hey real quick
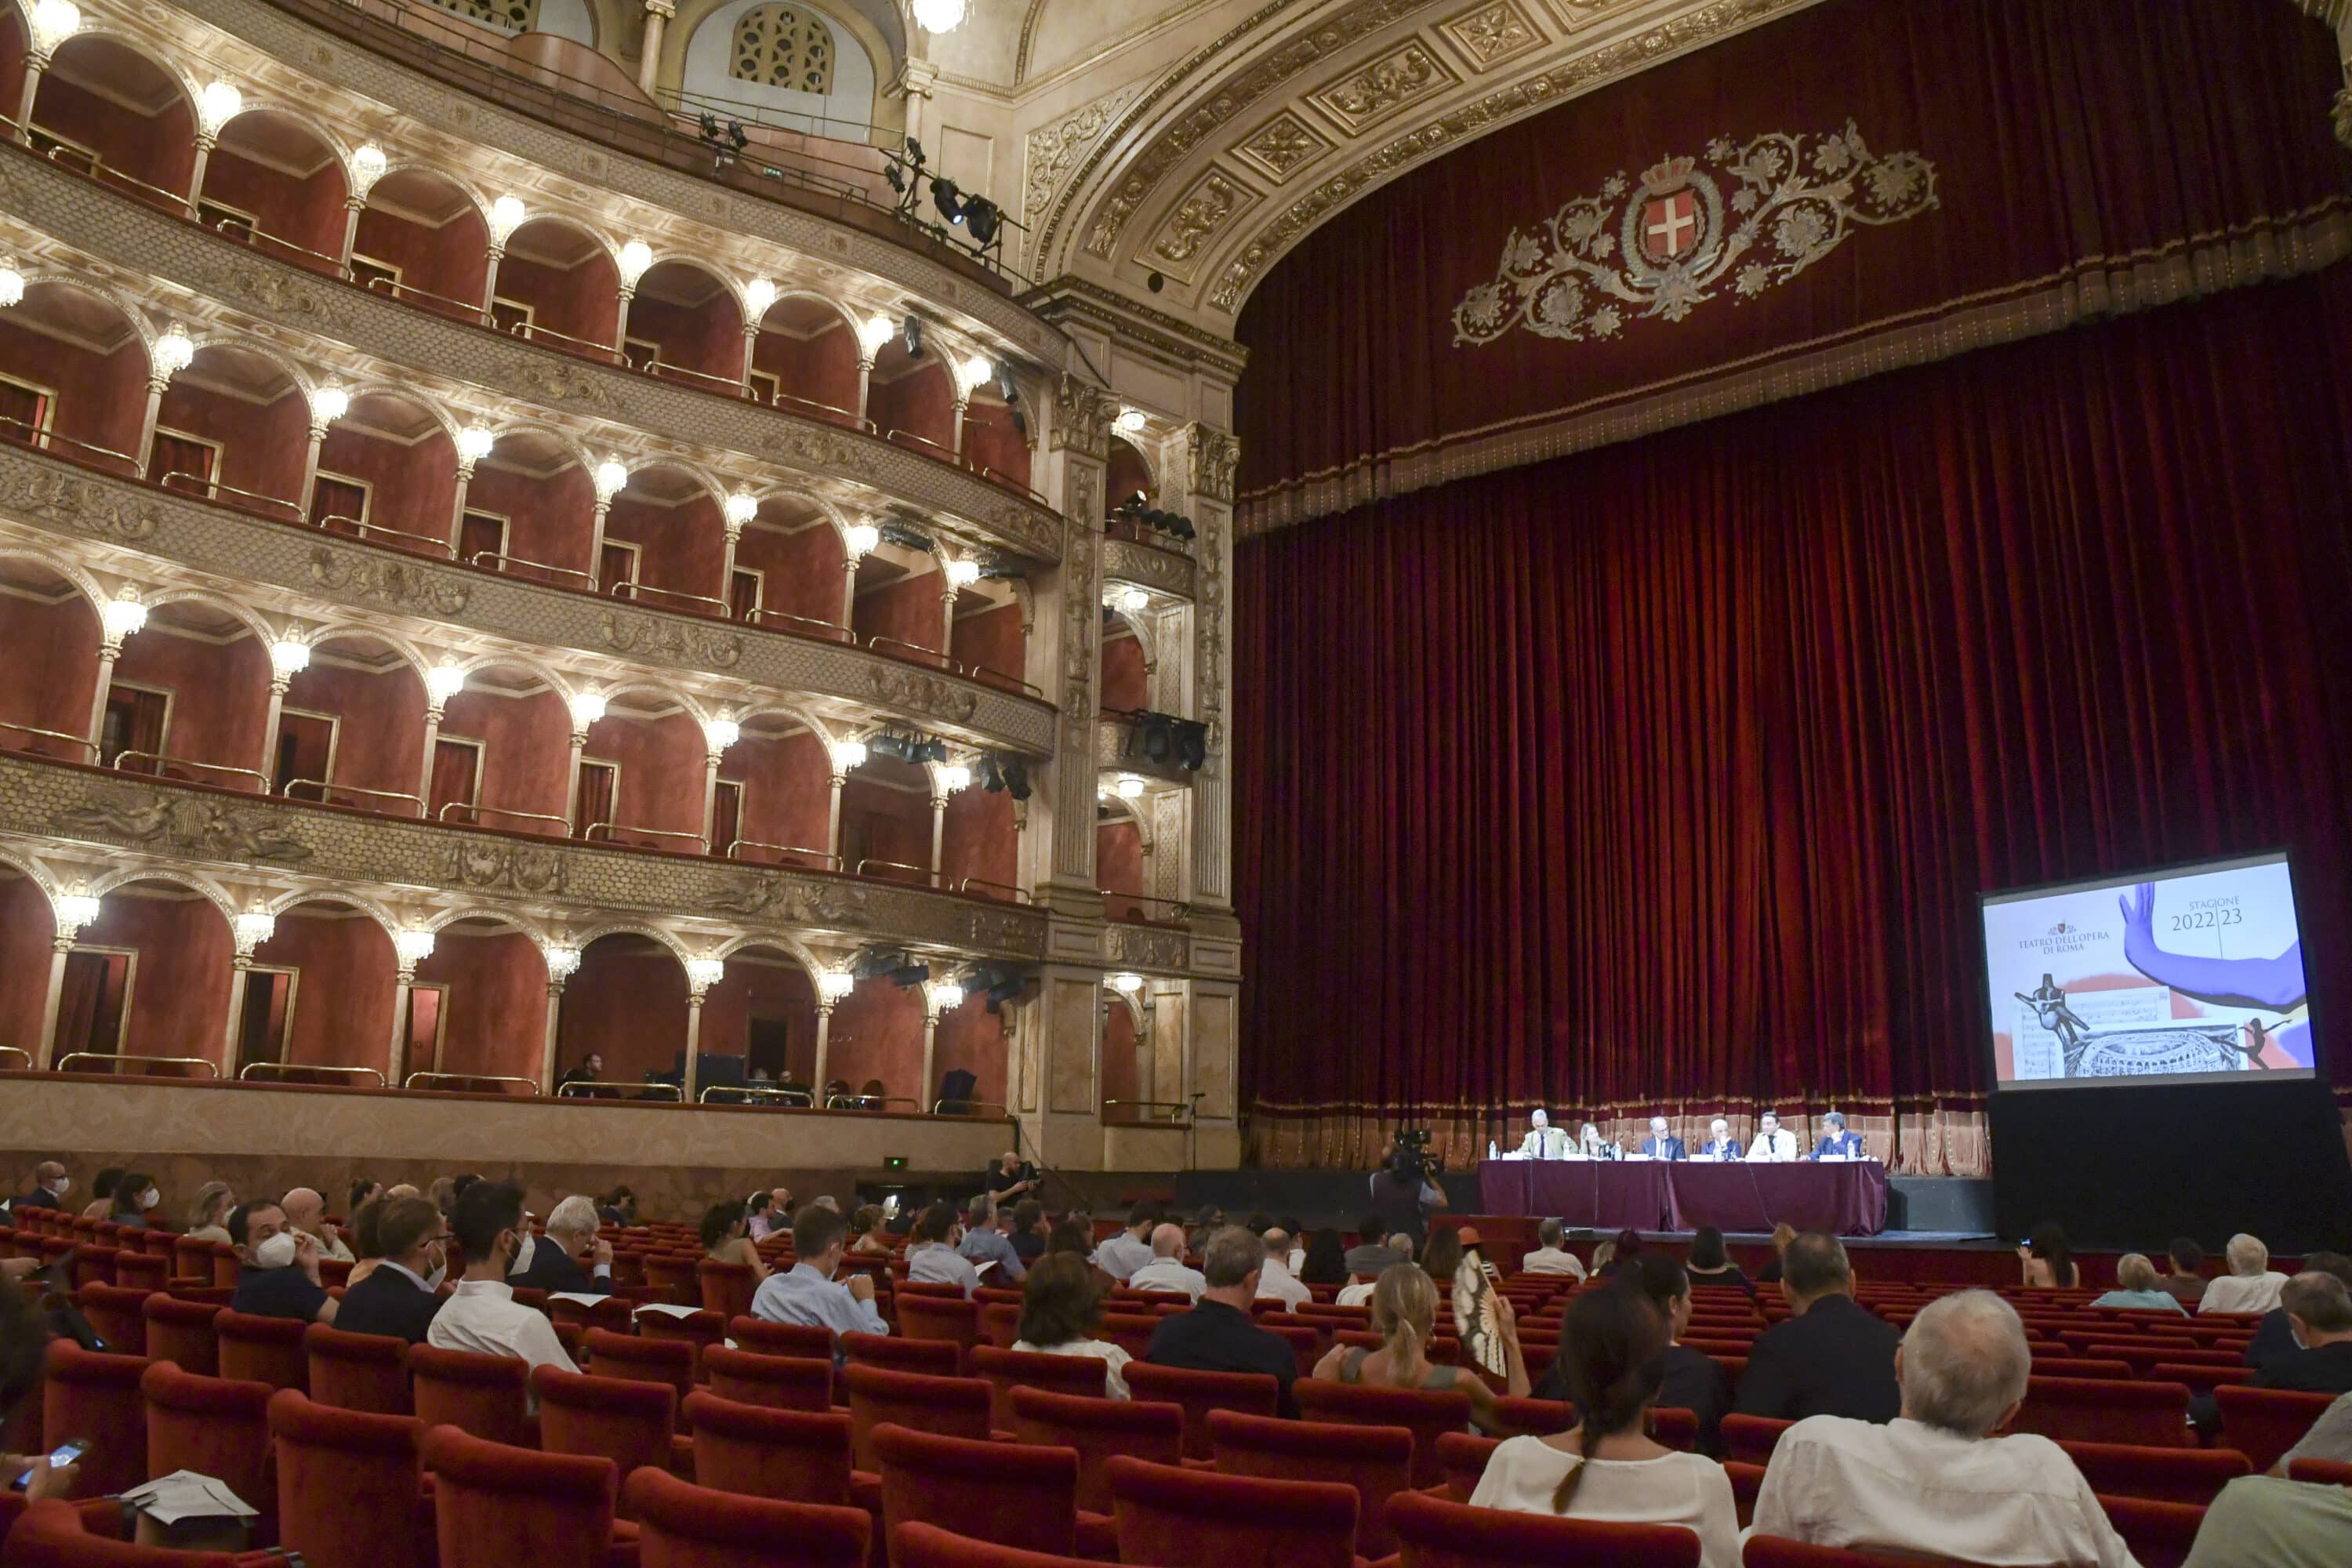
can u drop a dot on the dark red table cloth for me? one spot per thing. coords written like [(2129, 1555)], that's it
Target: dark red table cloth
[(1843, 1199), (1597, 1194)]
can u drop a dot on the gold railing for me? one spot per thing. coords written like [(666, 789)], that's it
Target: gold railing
[(274, 1070), (871, 1102), (7, 1051), (609, 828), (825, 857), (492, 561), (635, 592), (83, 741), (65, 1062), (969, 1108), (1180, 1112), (435, 1079), (159, 759), (629, 1090), (360, 529), (326, 789), (482, 811), (796, 1097)]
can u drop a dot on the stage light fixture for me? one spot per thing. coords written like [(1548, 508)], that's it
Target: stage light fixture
[(984, 218), (947, 199)]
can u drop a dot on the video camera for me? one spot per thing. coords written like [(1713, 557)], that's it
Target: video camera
[(1410, 1155)]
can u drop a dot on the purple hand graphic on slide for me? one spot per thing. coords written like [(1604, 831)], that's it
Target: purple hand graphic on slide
[(2276, 984)]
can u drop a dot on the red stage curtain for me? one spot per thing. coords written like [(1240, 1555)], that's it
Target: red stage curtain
[(1665, 775)]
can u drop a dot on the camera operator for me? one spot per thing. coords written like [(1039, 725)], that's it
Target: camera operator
[(1402, 1194)]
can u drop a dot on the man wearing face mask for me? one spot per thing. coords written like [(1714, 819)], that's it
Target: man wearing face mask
[(280, 1274), (396, 1299), (50, 1186), (481, 1314)]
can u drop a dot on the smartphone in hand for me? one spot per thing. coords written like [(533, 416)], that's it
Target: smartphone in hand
[(61, 1456)]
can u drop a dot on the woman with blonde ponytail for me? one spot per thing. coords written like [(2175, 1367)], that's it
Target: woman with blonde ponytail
[(1608, 1468), (1404, 1314)]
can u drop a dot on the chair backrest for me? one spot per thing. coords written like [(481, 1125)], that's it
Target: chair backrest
[(781, 1383), (1000, 1324), (2321, 1472), (1428, 1414), (347, 1485), (761, 1451), (1375, 1461), (1751, 1439), (1096, 1430), (1198, 1393), (1008, 1370), (51, 1534), (2158, 1534), (1775, 1552), (947, 1407), (927, 1546), (181, 1334), (119, 1314), (675, 1278), (1435, 1533), (779, 1339), (2263, 1423), (663, 1360), (1181, 1517), (727, 1287), (91, 1394), (627, 1420), (2159, 1475), (483, 1395), (681, 1525), (2103, 1410), (955, 1321), (696, 1331), (1464, 1457), (935, 1358), (210, 1426), (262, 1350), (1018, 1496), (489, 1497), (357, 1372), (1522, 1417)]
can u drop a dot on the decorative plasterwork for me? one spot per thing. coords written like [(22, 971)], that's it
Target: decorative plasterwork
[(1282, 145), (1215, 200), (1162, 570), (1050, 151), (1404, 74), (1487, 35)]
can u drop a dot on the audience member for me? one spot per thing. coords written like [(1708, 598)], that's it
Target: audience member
[(2184, 1279), (2319, 1310), (554, 1263), (1605, 1252), (1027, 1239), (401, 1190), (2330, 1437), (1275, 1283), (1358, 1291), (1204, 1224), (1374, 1252), (279, 1272), (1935, 1481), (306, 1211), (1167, 1271), (1006, 1182), (724, 1241), (1061, 1308), (1217, 1334), (135, 1198), (366, 1246), (481, 1314), (2137, 1288), (933, 1258), (1326, 1262), (757, 1218), (1441, 1255), (1294, 1227), (1623, 1248), (1404, 1314), (457, 1185), (101, 1192), (1551, 1255), (1129, 1250), (872, 1239), (1710, 1264), (985, 1241), (2250, 1286), (443, 1191), (23, 1351), (2262, 1521), (1693, 1382), (208, 1211), (2274, 1336), (397, 1299), (2047, 1260), (1833, 1358), (1782, 1235), (1072, 1234), (50, 1186), (807, 1294), (1614, 1345), (620, 1208), (362, 1189)]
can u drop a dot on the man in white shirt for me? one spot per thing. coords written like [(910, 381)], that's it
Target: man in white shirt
[(2251, 1286), (481, 1314), (1275, 1279), (1774, 1144), (1549, 1257), (1166, 1271), (1129, 1250), (306, 1211), (1543, 1142), (933, 1258), (1935, 1481)]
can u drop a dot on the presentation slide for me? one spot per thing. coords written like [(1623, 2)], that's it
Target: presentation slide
[(2173, 976)]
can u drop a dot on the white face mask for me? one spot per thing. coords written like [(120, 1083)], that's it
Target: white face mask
[(150, 1199), (64, 1186), (523, 1255), (277, 1252), (433, 1281)]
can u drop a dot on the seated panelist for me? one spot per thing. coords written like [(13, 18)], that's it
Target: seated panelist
[(1590, 1145), (1840, 1143), (1774, 1145), (1720, 1144), (1659, 1146), (1543, 1142)]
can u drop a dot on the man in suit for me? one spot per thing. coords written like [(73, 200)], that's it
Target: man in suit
[(552, 1261), (50, 1186), (1775, 1145), (1720, 1144), (1218, 1334), (1659, 1146), (1833, 1358), (1838, 1141), (1543, 1142), (397, 1298)]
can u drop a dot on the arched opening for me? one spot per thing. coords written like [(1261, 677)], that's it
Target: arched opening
[(774, 796), (503, 756), (897, 609), (558, 285), (1118, 859), (886, 821), (479, 1003), (15, 44), (150, 977), (1127, 476), (104, 108), (641, 775), (351, 729), (992, 442), (970, 1038), (911, 400), (49, 636), (1126, 672), (387, 473), (1126, 1078), (980, 844), (990, 635), (789, 570), (73, 376), (626, 1002), (759, 1023), (275, 182), (804, 359), (234, 427), (29, 931), (422, 238), (802, 71), (876, 1038), (320, 992), (529, 512), (664, 543), (189, 699), (685, 322)]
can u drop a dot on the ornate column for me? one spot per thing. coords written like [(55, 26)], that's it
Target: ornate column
[(938, 996), (718, 735), (507, 214), (73, 911), (1066, 655), (123, 616), (561, 960), (171, 355), (737, 512), (289, 656), (916, 83), (474, 443), (1210, 458), (939, 827), (328, 403), (758, 295), (657, 12), (857, 541), (442, 682), (249, 930), (47, 24), (701, 974), (218, 103), (367, 167), (611, 475), (587, 707), (824, 1031), (410, 948), (847, 756)]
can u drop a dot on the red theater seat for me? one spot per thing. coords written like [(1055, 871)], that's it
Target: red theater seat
[(262, 1350), (119, 1315), (87, 1395), (180, 1332), (55, 1534), (2100, 1410), (484, 1396), (781, 1383), (629, 1422), (1752, 1438), (2159, 1475), (667, 1361), (347, 1488), (1428, 1414), (948, 1406), (1464, 1457), (1174, 1517), (1008, 1370), (2321, 1472), (927, 1546), (215, 1427), (500, 1507), (2263, 1423), (764, 1338), (956, 1321), (798, 1455), (1198, 1393), (357, 1372), (933, 1358), (684, 1526), (1773, 1551), (1375, 1461), (1434, 1533), (2158, 1534), (699, 1332), (1097, 1430), (727, 1287), (1015, 1496)]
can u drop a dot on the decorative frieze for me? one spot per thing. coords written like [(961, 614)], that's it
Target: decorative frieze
[(1162, 570)]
